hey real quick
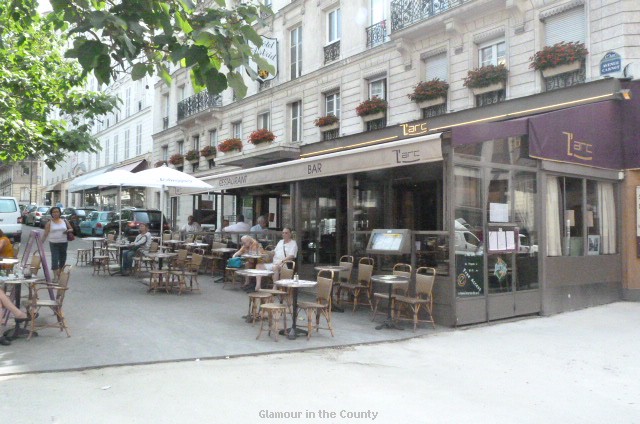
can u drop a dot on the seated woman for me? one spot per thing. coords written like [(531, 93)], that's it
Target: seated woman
[(6, 250), (286, 249), (250, 246)]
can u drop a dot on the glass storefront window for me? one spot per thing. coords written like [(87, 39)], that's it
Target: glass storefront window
[(508, 151), (524, 200)]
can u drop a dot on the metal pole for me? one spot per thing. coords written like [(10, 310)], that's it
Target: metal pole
[(30, 178)]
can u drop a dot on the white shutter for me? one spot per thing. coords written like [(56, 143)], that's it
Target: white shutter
[(436, 67), (567, 26)]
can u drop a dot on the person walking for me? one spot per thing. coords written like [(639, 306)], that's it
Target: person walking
[(56, 231)]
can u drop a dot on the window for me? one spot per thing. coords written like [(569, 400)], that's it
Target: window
[(492, 54), (127, 144), (296, 121), (97, 160), (332, 104), (213, 137), (334, 24), (436, 67), (236, 130), (127, 102), (377, 11), (568, 26), (139, 139), (25, 170), (264, 121), (296, 52), (115, 148), (181, 147), (106, 152), (24, 194), (196, 143), (581, 217), (378, 88), (164, 153)]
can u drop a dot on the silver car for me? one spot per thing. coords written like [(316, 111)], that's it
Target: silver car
[(33, 218)]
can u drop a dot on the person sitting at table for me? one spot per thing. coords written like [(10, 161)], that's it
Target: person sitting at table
[(239, 226), (6, 250), (142, 243), (225, 223), (250, 246), (286, 249), (261, 225), (191, 226)]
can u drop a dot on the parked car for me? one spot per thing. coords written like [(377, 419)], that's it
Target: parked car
[(26, 212), (33, 218), (75, 216), (10, 219), (130, 220), (95, 223)]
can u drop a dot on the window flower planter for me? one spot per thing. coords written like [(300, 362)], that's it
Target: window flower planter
[(261, 136), (373, 116), (487, 78), (433, 102), (557, 55), (372, 106), (192, 156), (493, 87), (229, 145), (176, 159), (160, 163), (429, 90), (561, 69), (327, 123), (208, 152)]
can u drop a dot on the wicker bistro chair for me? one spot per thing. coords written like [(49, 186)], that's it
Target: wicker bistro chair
[(399, 269), (189, 271), (271, 314), (36, 263), (344, 276), (288, 268), (322, 305), (40, 297), (425, 278), (362, 285)]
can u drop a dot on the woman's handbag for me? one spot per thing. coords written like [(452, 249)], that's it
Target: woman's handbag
[(70, 236), (235, 262)]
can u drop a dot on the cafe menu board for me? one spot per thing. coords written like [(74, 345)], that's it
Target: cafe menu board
[(390, 242), (503, 239), (469, 275)]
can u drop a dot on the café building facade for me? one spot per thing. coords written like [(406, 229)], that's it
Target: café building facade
[(523, 207)]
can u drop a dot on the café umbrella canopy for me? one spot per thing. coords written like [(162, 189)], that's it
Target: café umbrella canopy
[(165, 177)]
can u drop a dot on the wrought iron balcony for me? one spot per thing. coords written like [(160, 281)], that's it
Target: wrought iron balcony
[(405, 13), (332, 52), (197, 103), (376, 34), (568, 79)]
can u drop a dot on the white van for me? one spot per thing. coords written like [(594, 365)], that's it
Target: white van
[(10, 218), (466, 243)]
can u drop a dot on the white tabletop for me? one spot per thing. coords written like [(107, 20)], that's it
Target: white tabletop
[(295, 283), (389, 279), (224, 249), (330, 268), (93, 238), (254, 272), (16, 280), (9, 261)]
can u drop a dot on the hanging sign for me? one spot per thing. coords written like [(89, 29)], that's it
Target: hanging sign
[(610, 63), (269, 52)]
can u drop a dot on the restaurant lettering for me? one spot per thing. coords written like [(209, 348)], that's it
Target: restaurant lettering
[(236, 179), (407, 156), (578, 149), (416, 129), (315, 168)]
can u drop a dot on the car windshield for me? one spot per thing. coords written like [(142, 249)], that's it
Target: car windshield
[(94, 215), (7, 205), (105, 215), (43, 209), (147, 216)]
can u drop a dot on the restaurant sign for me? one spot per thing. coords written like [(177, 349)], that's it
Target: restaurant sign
[(269, 52)]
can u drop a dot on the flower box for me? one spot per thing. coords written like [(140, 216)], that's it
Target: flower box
[(260, 136), (561, 69), (558, 54), (374, 105), (208, 152), (328, 120), (192, 156), (160, 163), (373, 116), (230, 144), (433, 102), (330, 127), (493, 87), (429, 90), (486, 76), (176, 159)]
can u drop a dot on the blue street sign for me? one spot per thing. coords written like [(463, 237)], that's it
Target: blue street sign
[(610, 63)]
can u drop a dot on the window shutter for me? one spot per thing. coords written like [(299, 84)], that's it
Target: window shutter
[(568, 26), (436, 67)]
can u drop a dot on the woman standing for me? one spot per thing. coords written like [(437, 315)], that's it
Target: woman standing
[(57, 228)]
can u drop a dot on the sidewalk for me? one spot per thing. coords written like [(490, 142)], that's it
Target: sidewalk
[(577, 367)]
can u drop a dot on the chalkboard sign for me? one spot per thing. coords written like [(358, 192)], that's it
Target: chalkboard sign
[(469, 275)]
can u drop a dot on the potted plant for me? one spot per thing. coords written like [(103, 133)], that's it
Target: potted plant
[(429, 93), (230, 144), (486, 78), (160, 163), (373, 108), (176, 159), (207, 151), (261, 135), (191, 156), (558, 59), (328, 122)]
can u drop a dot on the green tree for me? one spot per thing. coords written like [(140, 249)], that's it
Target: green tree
[(44, 112)]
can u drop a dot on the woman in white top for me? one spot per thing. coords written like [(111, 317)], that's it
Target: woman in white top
[(56, 230), (286, 249)]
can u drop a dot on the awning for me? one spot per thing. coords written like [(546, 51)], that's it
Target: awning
[(133, 167), (477, 133), (77, 183), (422, 149), (56, 187)]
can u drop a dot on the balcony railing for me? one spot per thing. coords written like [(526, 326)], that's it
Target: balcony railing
[(376, 34), (405, 13), (332, 52), (565, 80), (197, 103)]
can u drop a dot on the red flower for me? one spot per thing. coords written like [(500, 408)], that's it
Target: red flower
[(230, 144), (262, 135), (559, 54), (371, 106)]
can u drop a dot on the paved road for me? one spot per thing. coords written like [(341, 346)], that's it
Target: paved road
[(579, 367)]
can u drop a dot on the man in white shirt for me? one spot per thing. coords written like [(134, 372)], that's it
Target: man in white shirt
[(261, 225), (191, 226), (239, 226)]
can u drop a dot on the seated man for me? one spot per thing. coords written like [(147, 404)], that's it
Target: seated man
[(191, 226), (142, 243)]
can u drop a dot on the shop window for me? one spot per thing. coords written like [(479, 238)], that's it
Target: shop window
[(581, 217)]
